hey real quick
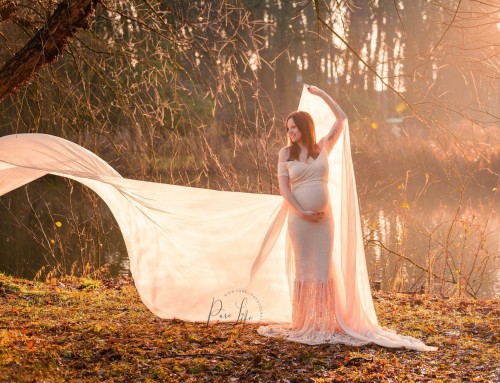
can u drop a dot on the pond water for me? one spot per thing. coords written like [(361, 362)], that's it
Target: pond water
[(436, 251)]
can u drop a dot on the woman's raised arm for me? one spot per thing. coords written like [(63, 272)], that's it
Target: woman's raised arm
[(340, 118)]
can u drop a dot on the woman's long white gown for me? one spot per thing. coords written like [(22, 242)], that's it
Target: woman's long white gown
[(313, 296), (206, 255)]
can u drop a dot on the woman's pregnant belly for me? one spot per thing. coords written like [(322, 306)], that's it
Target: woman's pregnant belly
[(313, 196)]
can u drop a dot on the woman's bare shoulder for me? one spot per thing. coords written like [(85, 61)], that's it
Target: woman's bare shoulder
[(285, 149), (284, 153)]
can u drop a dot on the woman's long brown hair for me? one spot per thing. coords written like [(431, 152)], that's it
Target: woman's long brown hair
[(305, 124)]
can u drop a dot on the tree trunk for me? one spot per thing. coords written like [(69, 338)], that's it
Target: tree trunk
[(46, 45)]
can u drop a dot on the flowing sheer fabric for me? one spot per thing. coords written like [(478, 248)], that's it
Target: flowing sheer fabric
[(205, 255)]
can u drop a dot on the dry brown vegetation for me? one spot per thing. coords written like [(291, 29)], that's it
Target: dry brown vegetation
[(77, 329)]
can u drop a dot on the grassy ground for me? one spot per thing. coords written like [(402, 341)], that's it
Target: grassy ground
[(82, 330)]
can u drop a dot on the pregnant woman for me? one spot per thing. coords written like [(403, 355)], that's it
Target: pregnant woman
[(331, 303), (303, 182)]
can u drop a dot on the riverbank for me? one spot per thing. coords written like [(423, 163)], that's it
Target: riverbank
[(84, 330)]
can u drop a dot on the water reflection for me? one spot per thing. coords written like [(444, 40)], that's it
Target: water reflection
[(120, 264), (436, 251)]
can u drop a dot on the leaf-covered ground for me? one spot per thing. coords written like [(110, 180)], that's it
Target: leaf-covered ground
[(82, 330)]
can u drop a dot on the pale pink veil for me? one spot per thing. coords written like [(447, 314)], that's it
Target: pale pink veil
[(187, 246)]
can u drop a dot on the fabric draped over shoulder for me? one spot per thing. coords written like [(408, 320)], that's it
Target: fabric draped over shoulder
[(206, 255), (283, 169)]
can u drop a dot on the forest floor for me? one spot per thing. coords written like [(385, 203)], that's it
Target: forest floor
[(81, 330)]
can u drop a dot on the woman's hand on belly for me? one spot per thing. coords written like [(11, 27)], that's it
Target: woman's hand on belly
[(313, 216)]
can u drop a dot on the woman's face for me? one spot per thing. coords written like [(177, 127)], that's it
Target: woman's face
[(293, 132)]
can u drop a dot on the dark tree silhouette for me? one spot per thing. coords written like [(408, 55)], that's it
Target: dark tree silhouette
[(46, 45)]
